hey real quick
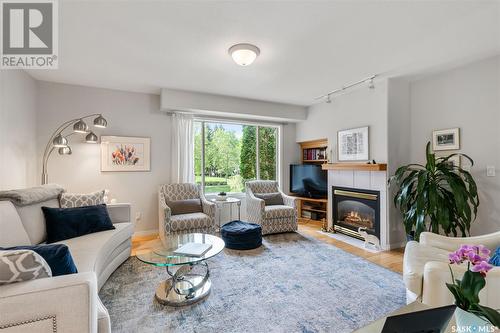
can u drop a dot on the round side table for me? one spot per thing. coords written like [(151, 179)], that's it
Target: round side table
[(229, 201)]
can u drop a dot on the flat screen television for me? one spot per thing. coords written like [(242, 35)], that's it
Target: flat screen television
[(308, 180)]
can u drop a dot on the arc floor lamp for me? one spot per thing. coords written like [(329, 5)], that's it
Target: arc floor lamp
[(60, 141)]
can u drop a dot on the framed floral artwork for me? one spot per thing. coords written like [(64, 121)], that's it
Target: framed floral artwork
[(123, 153)]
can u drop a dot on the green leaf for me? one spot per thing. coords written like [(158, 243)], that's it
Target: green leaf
[(471, 285), (492, 315)]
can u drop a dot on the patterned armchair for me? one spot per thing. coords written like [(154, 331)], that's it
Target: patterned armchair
[(273, 219), (169, 224)]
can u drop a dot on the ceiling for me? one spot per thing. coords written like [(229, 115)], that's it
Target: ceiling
[(308, 48)]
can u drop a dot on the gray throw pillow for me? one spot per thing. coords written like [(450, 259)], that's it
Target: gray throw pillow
[(22, 265), (72, 200), (187, 206), (271, 199)]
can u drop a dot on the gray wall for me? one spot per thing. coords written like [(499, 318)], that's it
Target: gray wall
[(467, 97), (18, 117), (360, 107), (128, 114)]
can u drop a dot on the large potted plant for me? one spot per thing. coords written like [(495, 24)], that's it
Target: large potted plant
[(436, 197), (470, 314)]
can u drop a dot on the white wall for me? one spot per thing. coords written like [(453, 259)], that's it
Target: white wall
[(18, 117), (467, 97), (128, 114), (357, 108), (290, 154), (398, 147)]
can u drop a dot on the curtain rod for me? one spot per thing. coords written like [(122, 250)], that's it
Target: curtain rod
[(241, 121)]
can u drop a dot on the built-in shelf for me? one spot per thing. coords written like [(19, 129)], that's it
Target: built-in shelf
[(314, 151), (315, 161), (310, 199), (314, 210), (355, 166)]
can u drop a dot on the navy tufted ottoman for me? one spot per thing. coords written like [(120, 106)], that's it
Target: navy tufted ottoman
[(239, 235)]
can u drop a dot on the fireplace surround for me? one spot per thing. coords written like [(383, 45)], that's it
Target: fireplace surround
[(354, 208)]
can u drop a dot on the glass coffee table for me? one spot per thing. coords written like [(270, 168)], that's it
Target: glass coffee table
[(188, 280)]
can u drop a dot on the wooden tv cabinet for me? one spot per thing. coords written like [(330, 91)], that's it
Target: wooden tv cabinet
[(316, 208)]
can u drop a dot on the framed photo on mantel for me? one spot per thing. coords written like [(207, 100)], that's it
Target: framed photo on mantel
[(353, 144), (124, 153)]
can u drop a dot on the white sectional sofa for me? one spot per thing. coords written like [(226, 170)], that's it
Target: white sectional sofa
[(67, 303)]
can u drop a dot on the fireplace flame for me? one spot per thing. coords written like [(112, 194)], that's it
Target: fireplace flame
[(354, 218)]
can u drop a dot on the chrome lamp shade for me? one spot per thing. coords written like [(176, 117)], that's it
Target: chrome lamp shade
[(65, 150), (80, 127), (91, 138), (60, 141), (100, 122)]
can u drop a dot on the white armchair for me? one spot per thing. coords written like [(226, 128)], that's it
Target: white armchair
[(273, 219), (425, 269)]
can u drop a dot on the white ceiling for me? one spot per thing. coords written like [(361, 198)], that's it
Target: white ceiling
[(307, 47)]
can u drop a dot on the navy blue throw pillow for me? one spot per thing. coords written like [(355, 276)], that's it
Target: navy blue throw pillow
[(57, 257), (65, 223)]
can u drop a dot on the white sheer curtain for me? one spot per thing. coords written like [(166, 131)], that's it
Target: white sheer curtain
[(182, 162)]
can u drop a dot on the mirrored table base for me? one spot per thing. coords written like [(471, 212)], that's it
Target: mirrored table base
[(184, 287)]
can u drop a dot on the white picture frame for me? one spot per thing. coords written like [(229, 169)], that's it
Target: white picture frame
[(353, 144), (125, 153), (446, 139)]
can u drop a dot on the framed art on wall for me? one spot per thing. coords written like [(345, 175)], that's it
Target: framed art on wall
[(446, 139), (123, 153), (353, 144)]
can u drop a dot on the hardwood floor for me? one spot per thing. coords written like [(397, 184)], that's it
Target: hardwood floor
[(392, 260)]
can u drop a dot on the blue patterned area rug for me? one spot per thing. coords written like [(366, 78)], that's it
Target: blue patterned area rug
[(292, 283)]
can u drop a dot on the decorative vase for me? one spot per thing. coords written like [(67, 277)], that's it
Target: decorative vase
[(469, 322), (221, 197)]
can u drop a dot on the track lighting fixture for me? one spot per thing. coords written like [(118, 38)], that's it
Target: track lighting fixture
[(371, 84), (369, 81)]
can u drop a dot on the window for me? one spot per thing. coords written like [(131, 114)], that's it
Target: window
[(228, 154)]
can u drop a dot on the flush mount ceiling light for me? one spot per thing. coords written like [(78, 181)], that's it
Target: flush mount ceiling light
[(244, 54)]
